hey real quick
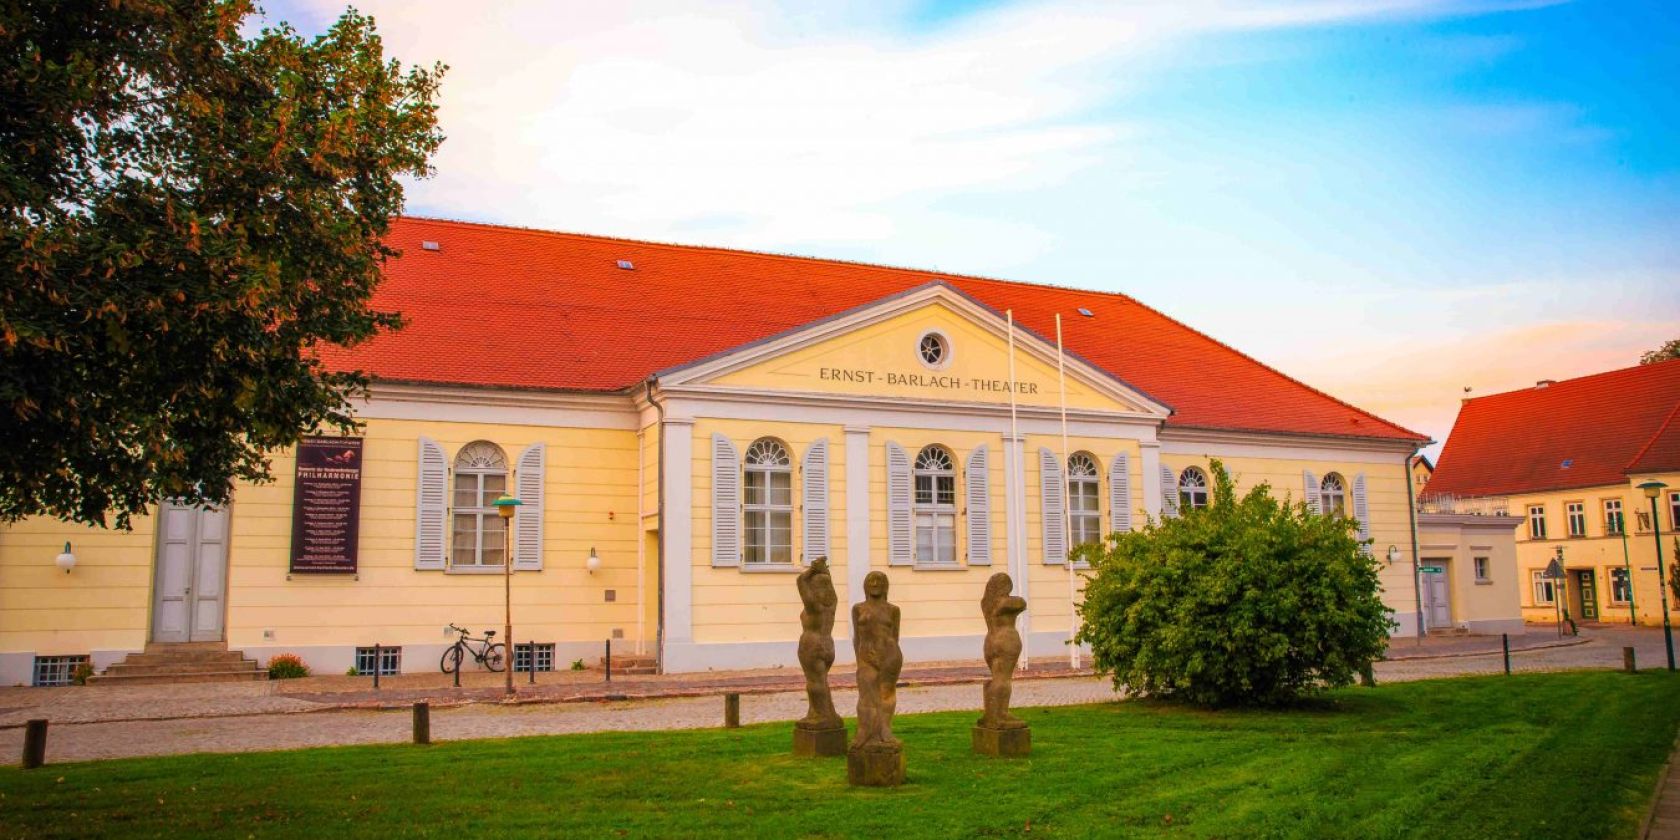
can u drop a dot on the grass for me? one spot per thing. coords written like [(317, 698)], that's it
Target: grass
[(1553, 756)]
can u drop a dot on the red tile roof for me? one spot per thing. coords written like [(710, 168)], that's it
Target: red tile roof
[(1584, 432), (1662, 452), (512, 307)]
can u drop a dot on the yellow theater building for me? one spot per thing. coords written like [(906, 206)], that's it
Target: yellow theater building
[(686, 428), (1563, 463)]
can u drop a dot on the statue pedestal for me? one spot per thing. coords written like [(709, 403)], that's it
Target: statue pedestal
[(1003, 743), (819, 742), (875, 765)]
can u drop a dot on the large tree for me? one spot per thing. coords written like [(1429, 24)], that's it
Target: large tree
[(186, 212)]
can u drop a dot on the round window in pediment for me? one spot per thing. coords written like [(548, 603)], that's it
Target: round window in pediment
[(934, 350)]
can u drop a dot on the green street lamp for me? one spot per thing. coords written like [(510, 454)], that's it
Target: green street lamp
[(505, 506), (1652, 490)]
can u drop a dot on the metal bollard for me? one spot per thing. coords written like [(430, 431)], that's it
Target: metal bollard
[(458, 667), (1627, 661), (731, 711), (531, 662), (1505, 642), (34, 743), (378, 662), (422, 723), (608, 660)]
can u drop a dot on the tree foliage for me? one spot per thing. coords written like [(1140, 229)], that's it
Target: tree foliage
[(1245, 601), (186, 214), (1669, 350)]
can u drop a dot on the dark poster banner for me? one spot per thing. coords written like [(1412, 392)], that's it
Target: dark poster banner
[(327, 505)]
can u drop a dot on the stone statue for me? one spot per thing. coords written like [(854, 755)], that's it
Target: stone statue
[(999, 732), (876, 758), (821, 731)]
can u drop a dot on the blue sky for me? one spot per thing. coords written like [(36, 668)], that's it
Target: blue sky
[(1389, 199)]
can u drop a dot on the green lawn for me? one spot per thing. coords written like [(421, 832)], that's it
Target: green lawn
[(1545, 756)]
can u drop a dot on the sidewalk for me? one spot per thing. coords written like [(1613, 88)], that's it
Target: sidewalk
[(93, 704)]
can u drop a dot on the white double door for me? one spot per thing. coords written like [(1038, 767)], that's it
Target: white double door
[(190, 580), (1437, 602)]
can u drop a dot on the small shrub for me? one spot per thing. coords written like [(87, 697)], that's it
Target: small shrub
[(287, 666), (1251, 601), (577, 665), (81, 674), (352, 672)]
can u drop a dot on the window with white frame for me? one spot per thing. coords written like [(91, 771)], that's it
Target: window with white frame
[(480, 477), (1084, 517), (1536, 522), (1674, 511), (935, 507), (1332, 495), (1613, 524), (767, 504), (1542, 588), (1620, 592), (1192, 488), (57, 670), (1575, 513), (1480, 565)]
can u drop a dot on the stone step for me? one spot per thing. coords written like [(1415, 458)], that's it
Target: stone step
[(185, 657), (183, 647), (127, 668), (164, 679)]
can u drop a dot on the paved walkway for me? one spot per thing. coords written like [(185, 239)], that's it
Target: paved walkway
[(1665, 816), (99, 722)]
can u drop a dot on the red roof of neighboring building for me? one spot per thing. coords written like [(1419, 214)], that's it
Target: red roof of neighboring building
[(1584, 432), (512, 307)]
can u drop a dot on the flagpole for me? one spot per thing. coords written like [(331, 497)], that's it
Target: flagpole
[(1067, 514), (1016, 479)]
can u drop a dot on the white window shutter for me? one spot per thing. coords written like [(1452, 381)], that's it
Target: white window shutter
[(1169, 492), (1120, 493), (528, 517), (977, 482), (1309, 486), (815, 490), (726, 503), (431, 507), (1052, 507), (1360, 511), (901, 537)]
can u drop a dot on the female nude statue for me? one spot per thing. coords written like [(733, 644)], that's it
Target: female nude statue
[(879, 660), (816, 644), (1002, 650)]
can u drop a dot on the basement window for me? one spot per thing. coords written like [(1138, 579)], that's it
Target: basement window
[(522, 656), (57, 670), (388, 660)]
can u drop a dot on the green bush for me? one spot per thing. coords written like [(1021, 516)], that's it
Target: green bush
[(81, 674), (287, 666), (1249, 601)]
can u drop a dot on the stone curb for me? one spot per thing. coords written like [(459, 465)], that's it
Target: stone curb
[(1547, 646), (592, 697)]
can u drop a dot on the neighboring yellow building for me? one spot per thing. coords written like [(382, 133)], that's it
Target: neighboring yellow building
[(687, 427), (1566, 460)]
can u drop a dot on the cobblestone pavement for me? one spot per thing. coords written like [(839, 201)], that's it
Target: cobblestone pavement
[(253, 716)]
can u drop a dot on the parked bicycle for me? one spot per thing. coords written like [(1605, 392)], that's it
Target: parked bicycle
[(490, 653)]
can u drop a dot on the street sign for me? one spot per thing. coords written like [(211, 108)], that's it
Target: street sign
[(1554, 570), (1431, 570)]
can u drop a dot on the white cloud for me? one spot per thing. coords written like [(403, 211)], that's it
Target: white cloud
[(768, 127)]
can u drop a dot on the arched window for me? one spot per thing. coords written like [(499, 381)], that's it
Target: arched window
[(480, 476), (1332, 495), (768, 503), (1192, 488), (1084, 517), (935, 507)]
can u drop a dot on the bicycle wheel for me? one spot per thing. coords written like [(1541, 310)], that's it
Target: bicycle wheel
[(495, 658), (451, 661)]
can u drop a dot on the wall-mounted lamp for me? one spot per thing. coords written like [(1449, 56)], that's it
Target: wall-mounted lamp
[(65, 559), (1393, 554), (594, 561)]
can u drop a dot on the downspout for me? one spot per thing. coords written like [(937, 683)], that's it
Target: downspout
[(1417, 574), (659, 630)]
